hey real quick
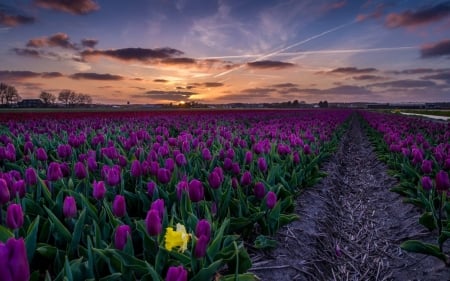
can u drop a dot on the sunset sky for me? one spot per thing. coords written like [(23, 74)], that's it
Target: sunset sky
[(223, 51)]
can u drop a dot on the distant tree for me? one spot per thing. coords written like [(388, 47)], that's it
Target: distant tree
[(47, 98), (8, 94), (3, 88), (323, 104), (70, 98), (83, 99), (295, 103)]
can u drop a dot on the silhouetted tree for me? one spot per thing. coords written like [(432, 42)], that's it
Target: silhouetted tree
[(70, 98), (8, 94), (323, 104), (47, 98)]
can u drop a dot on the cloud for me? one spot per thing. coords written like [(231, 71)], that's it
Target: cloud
[(415, 71), (284, 85), (27, 52), (212, 84), (368, 77), (89, 43), (408, 83), (269, 64), (438, 49), (10, 19), (57, 40), (95, 76), (133, 54), (179, 61), (160, 80), (257, 91), (175, 96), (352, 70), (78, 7), (445, 76), (20, 75), (375, 14), (422, 16), (335, 5)]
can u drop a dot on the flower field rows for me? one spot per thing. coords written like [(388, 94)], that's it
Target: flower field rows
[(154, 196), (418, 152)]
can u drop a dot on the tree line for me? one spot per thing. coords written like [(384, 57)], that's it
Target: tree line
[(9, 96)]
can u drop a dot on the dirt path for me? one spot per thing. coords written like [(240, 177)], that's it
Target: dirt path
[(350, 226)]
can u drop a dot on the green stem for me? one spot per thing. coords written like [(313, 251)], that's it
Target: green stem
[(441, 197)]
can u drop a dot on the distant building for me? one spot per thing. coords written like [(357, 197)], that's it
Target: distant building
[(31, 103)]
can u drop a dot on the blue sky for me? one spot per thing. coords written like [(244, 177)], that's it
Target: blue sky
[(160, 51)]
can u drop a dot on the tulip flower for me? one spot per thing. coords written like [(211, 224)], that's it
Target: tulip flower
[(181, 186), (426, 182), (136, 170), (92, 164), (41, 154), (14, 264), (201, 246), (246, 178), (427, 166), (206, 154), (227, 164), (119, 206), (65, 170), (169, 164), (31, 176), (262, 164), (203, 228), (180, 159), (248, 157), (19, 188), (111, 175), (153, 222), (14, 216), (158, 205), (417, 156), (98, 190), (271, 199), (177, 273), (151, 186), (54, 172), (196, 190), (164, 175), (178, 238), (214, 180), (442, 181), (259, 190), (80, 171), (121, 236), (4, 192), (69, 207), (64, 151)]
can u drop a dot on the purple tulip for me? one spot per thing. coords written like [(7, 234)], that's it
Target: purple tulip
[(28, 147), (151, 186), (442, 181), (136, 169), (54, 172), (4, 192), (447, 164), (234, 183), (14, 216), (154, 168), (201, 246), (98, 190), (259, 190), (158, 205), (271, 199), (427, 166), (417, 156), (122, 160), (180, 159), (164, 175), (92, 164), (227, 164), (119, 206), (248, 157), (214, 180), (80, 171), (31, 176), (19, 188), (426, 182), (121, 236), (176, 273), (296, 158), (14, 264), (306, 149), (41, 154), (262, 164), (235, 168), (206, 154), (203, 228), (69, 207), (64, 151), (111, 175), (153, 222), (196, 191), (246, 178), (181, 187), (169, 164)]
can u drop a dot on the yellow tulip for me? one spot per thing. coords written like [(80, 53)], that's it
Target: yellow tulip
[(177, 238)]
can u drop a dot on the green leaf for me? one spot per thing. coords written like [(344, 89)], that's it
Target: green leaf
[(264, 242), (427, 220), (61, 230), (78, 231), (47, 250), (213, 249), (67, 270), (445, 235), (240, 277), (416, 246), (5, 233), (112, 277), (30, 240), (206, 273)]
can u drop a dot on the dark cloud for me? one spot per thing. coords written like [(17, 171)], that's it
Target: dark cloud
[(160, 80), (179, 61), (51, 75), (352, 70), (20, 75), (89, 43), (284, 85), (212, 84), (25, 52), (133, 54), (264, 64), (424, 15), (11, 18), (339, 90), (405, 84), (139, 88), (95, 76), (445, 76), (57, 40), (368, 77), (414, 71), (438, 49), (257, 91), (175, 96), (77, 7)]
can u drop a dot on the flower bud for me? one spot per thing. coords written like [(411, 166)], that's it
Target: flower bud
[(169, 164), (271, 199), (92, 164), (427, 166), (69, 207), (262, 164), (98, 190), (80, 171), (136, 170), (153, 222), (14, 216), (196, 191), (214, 180), (259, 190), (4, 192), (203, 228), (158, 205), (442, 181), (119, 206), (151, 186), (121, 236), (41, 154), (201, 246), (164, 175), (248, 157), (31, 176), (426, 182), (206, 154), (246, 178)]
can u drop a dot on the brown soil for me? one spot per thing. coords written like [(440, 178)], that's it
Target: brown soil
[(351, 209)]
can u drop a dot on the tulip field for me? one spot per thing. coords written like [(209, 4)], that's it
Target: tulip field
[(165, 195)]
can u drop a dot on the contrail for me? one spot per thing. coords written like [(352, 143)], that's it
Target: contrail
[(288, 47)]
